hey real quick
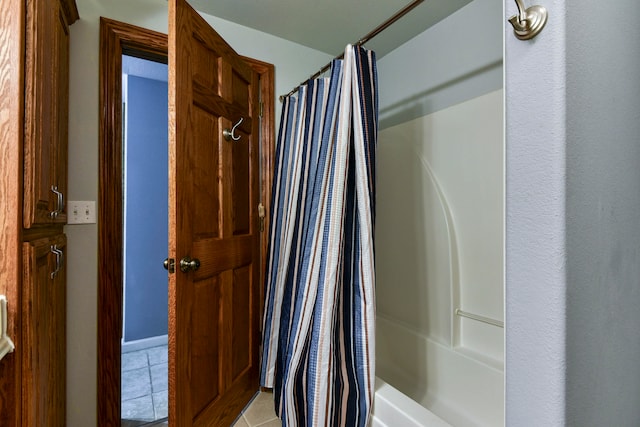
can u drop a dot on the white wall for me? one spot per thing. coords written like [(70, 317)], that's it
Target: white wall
[(573, 209), (83, 164), (535, 223)]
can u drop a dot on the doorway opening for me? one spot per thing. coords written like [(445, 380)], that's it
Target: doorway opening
[(144, 357)]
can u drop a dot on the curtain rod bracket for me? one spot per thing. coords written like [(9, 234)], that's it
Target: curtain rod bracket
[(529, 21)]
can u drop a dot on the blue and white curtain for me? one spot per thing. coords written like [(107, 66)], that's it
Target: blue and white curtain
[(319, 321)]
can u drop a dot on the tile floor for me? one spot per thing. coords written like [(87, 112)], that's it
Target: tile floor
[(144, 393), (144, 384), (259, 413)]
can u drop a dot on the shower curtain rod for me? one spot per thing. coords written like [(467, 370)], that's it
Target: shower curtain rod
[(380, 28)]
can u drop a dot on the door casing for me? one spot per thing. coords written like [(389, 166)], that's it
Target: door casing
[(116, 39)]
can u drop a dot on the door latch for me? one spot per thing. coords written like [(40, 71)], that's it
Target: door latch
[(170, 265)]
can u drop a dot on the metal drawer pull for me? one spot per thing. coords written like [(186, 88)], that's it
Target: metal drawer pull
[(59, 202), (59, 260)]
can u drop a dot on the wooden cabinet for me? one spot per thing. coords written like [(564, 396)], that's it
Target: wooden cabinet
[(46, 113), (34, 83), (43, 332), (43, 290)]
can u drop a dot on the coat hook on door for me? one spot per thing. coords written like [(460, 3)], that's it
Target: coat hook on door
[(231, 134), (529, 21)]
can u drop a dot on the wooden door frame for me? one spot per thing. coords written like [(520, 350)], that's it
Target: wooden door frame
[(116, 39)]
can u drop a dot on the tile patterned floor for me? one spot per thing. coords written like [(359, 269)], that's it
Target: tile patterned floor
[(259, 413), (144, 393), (144, 384)]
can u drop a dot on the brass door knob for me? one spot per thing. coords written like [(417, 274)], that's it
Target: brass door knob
[(187, 264)]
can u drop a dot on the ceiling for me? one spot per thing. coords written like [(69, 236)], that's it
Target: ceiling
[(329, 25)]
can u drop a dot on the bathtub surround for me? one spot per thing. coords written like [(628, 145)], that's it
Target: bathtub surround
[(440, 219), (448, 217)]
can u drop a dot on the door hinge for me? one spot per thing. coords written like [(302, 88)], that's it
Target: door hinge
[(261, 215), (261, 109)]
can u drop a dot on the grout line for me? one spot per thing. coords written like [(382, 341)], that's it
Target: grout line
[(153, 405), (150, 382), (264, 422)]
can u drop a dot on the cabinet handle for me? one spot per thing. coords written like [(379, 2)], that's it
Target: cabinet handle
[(59, 260), (59, 202)]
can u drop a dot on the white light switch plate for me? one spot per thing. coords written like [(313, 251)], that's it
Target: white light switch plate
[(81, 212), (6, 345)]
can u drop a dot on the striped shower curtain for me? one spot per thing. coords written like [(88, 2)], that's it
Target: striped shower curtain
[(319, 321)]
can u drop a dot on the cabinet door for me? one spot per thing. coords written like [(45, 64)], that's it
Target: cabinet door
[(43, 332), (46, 114)]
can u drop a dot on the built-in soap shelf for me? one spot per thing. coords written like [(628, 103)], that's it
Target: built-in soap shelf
[(6, 345)]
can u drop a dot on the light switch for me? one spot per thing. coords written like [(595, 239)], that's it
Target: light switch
[(6, 345), (81, 212)]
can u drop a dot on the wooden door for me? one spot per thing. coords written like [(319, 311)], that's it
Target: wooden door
[(43, 332), (213, 198)]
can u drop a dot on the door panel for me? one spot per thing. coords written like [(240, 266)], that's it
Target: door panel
[(213, 198), (204, 329), (241, 185), (205, 170), (240, 324)]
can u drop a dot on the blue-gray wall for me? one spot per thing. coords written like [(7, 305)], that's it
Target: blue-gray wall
[(146, 209), (603, 213), (573, 216)]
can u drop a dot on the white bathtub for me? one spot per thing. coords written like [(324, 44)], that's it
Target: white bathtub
[(393, 409)]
